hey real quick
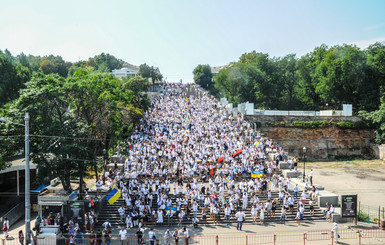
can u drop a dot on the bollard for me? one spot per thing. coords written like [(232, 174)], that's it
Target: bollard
[(304, 238), (359, 237), (332, 237), (275, 238), (2, 241), (216, 240)]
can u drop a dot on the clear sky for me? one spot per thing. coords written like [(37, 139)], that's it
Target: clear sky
[(177, 35)]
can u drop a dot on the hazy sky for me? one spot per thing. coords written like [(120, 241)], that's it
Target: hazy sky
[(177, 35)]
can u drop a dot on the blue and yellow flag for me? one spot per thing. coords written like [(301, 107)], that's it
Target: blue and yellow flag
[(256, 174), (113, 196), (173, 209)]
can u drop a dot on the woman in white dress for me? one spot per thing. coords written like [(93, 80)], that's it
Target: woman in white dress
[(160, 217), (254, 213), (262, 215)]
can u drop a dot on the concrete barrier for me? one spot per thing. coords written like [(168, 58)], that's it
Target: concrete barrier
[(284, 165), (327, 196), (291, 174)]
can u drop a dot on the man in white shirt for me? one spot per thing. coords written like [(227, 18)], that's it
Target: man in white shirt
[(123, 235), (240, 215), (122, 212), (107, 224), (186, 235), (98, 187), (151, 235), (311, 177)]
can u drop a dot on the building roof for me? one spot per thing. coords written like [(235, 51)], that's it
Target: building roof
[(18, 164), (216, 69)]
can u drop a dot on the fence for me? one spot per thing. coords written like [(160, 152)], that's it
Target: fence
[(14, 214), (356, 236), (371, 214)]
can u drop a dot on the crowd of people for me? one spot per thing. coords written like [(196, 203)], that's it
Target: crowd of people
[(189, 159), (194, 161)]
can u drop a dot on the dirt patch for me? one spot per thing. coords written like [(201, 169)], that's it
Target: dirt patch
[(364, 178)]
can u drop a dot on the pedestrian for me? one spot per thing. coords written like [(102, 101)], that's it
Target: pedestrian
[(99, 237), (71, 240), (107, 236), (122, 212), (167, 237), (92, 238), (107, 224), (176, 237), (298, 217), (152, 236), (99, 185), (335, 231), (186, 235), (262, 215), (283, 214), (311, 177), (139, 236), (240, 215), (123, 236), (6, 227), (21, 237)]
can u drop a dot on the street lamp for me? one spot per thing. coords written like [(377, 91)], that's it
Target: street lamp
[(304, 163), (105, 166), (27, 176)]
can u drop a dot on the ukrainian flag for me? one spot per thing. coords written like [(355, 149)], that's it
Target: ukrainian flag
[(113, 196), (256, 174), (173, 209)]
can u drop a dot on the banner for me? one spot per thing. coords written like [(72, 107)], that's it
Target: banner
[(113, 196), (237, 153), (256, 174)]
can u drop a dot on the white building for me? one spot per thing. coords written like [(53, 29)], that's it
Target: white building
[(127, 71)]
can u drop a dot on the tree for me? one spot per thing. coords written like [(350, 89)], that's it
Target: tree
[(150, 72), (73, 120), (105, 62), (288, 80), (203, 76), (54, 64), (12, 78)]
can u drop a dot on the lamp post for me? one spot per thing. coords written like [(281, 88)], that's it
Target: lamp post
[(105, 166), (304, 163), (27, 176)]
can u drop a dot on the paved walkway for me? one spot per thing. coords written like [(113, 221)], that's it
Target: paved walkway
[(232, 234)]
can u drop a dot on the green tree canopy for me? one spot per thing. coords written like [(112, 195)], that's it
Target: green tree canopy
[(203, 76), (150, 72), (73, 119)]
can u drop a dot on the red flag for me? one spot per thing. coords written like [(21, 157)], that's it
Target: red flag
[(220, 160), (237, 153)]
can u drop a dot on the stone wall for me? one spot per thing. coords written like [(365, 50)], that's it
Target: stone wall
[(323, 143), (263, 119)]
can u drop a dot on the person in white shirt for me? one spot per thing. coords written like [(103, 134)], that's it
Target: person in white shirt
[(122, 212), (240, 215), (335, 231), (152, 236), (123, 235), (186, 235), (99, 187), (167, 237), (311, 177)]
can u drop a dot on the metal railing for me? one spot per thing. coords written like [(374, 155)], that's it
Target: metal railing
[(14, 214), (371, 214), (291, 237)]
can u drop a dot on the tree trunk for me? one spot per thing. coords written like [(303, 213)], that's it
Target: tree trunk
[(81, 182), (96, 170)]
